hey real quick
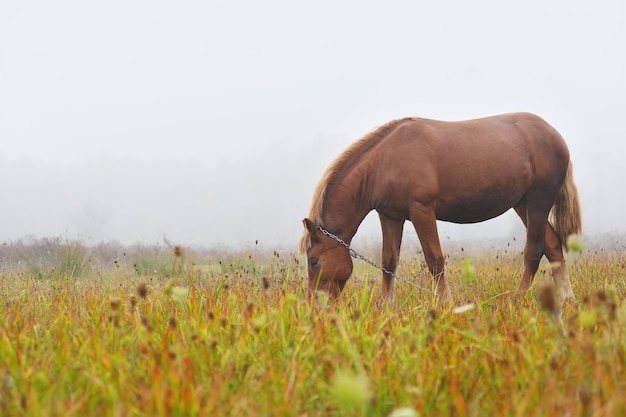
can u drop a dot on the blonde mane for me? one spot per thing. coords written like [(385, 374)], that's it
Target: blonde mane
[(355, 150)]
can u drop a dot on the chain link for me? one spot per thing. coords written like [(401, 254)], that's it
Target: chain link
[(357, 255)]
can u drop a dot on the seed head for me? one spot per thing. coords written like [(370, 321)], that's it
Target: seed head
[(172, 323), (115, 318), (249, 311), (585, 396), (146, 324), (142, 290), (547, 299), (432, 314), (115, 303)]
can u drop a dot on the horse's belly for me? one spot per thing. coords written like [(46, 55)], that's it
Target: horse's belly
[(461, 206), (472, 213), (482, 190)]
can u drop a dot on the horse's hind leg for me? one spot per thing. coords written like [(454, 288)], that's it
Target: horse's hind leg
[(535, 222), (392, 238), (425, 222), (554, 252)]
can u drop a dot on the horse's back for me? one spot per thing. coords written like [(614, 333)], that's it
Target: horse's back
[(471, 170), (516, 138)]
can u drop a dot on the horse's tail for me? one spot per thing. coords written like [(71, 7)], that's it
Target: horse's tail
[(565, 215)]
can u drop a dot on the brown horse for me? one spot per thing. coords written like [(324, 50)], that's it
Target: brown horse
[(463, 172)]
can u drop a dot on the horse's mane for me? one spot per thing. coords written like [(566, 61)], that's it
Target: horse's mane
[(353, 152)]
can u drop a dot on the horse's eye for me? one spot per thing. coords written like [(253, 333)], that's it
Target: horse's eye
[(315, 263)]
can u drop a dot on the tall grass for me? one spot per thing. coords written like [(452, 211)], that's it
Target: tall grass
[(53, 257), (208, 340)]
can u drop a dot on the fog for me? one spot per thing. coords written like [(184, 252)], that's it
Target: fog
[(210, 123)]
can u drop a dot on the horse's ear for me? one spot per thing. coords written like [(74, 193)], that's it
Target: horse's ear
[(313, 231)]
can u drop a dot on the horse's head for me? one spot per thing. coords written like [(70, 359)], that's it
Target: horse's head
[(329, 263)]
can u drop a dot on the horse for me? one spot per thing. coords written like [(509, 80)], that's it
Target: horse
[(425, 170)]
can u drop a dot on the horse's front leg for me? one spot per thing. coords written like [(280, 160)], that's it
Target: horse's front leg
[(392, 238), (425, 222)]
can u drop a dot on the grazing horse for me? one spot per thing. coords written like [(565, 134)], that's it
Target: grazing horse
[(463, 172)]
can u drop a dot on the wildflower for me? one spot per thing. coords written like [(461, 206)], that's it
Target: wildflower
[(351, 391), (463, 309), (555, 265), (404, 412), (467, 270), (258, 323), (322, 299), (575, 243), (167, 289), (587, 318), (179, 294)]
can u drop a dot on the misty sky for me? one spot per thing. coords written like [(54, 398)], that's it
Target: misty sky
[(211, 122)]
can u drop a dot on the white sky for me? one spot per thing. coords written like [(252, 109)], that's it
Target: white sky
[(211, 122)]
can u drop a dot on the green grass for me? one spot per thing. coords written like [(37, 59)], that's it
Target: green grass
[(241, 338)]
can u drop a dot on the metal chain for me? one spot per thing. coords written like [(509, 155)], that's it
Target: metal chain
[(357, 255)]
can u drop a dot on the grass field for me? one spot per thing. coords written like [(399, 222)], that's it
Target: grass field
[(164, 332)]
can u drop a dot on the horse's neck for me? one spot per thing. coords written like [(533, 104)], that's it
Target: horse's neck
[(342, 215)]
